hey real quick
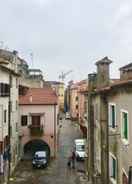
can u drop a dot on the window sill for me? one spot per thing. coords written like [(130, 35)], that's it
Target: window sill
[(113, 129), (125, 141), (113, 180)]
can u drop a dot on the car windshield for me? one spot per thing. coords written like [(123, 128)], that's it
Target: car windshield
[(80, 147), (38, 158)]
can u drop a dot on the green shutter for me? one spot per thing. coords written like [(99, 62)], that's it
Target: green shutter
[(125, 126), (113, 116)]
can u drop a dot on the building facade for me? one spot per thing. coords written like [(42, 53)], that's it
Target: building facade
[(58, 87), (38, 117), (9, 124), (109, 127)]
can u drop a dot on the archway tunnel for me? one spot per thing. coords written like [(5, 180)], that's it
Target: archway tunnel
[(35, 145)]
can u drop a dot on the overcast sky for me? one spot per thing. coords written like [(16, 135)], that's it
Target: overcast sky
[(68, 34)]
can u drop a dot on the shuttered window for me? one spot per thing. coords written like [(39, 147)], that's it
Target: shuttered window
[(4, 89), (112, 116), (113, 167), (125, 125), (24, 120)]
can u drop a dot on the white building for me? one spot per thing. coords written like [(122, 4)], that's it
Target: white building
[(9, 134)]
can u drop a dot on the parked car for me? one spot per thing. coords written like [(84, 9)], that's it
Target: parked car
[(67, 115), (80, 149), (40, 159)]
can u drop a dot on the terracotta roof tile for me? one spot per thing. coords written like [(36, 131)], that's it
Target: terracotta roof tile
[(39, 96)]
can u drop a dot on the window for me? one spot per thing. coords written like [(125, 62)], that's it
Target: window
[(113, 167), (124, 177), (24, 120), (112, 115), (124, 124), (16, 127), (17, 84), (76, 106), (4, 89), (76, 98), (16, 104), (5, 114)]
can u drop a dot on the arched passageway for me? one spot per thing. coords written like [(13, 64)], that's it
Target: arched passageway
[(35, 145)]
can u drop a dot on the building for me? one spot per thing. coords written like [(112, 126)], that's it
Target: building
[(109, 127), (74, 101), (58, 87), (82, 106), (38, 117), (30, 77), (9, 124)]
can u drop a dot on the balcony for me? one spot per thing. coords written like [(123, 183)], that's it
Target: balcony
[(36, 130)]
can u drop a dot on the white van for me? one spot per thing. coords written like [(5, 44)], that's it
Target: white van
[(80, 149)]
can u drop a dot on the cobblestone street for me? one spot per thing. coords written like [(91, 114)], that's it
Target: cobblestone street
[(57, 171)]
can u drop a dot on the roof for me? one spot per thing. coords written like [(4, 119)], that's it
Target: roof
[(126, 67), (39, 96), (8, 70), (105, 60), (116, 84), (54, 82)]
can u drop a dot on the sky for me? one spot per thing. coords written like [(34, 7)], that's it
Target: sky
[(68, 35)]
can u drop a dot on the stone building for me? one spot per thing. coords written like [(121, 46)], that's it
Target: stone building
[(109, 127)]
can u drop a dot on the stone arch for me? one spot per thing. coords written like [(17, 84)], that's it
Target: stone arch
[(35, 145)]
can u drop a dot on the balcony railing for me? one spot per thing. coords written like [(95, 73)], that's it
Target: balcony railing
[(36, 130)]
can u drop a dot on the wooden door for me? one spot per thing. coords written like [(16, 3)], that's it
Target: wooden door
[(36, 121)]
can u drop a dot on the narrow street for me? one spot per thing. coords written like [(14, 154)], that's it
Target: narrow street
[(57, 172)]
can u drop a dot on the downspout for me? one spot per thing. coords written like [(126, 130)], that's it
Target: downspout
[(9, 126), (55, 131)]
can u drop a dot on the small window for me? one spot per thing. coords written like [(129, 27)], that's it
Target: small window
[(124, 122), (16, 127), (112, 115), (113, 167), (16, 104), (24, 120), (76, 106), (76, 98), (5, 116), (17, 83)]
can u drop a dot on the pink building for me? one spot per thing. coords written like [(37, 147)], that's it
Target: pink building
[(78, 104), (38, 112), (83, 106), (74, 101)]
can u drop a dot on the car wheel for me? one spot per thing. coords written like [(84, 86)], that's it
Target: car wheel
[(34, 167)]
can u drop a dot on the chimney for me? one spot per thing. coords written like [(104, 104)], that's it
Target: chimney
[(103, 76), (126, 72), (15, 52), (92, 79)]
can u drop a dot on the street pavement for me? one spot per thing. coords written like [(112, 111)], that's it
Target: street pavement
[(57, 172)]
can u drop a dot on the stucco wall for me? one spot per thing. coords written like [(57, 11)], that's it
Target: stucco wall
[(123, 101), (48, 122)]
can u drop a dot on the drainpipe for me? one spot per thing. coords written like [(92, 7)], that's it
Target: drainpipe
[(9, 126), (54, 130), (91, 85)]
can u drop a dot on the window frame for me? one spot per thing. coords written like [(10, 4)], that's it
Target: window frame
[(112, 179), (110, 116), (124, 140)]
